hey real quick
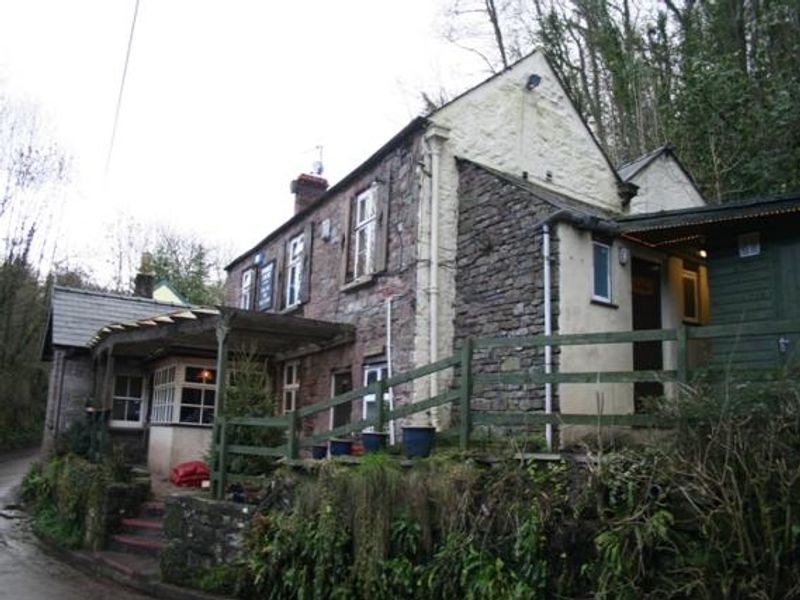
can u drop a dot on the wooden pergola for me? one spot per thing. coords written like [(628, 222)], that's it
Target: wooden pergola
[(211, 332)]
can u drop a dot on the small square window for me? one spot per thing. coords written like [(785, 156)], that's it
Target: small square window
[(749, 244), (601, 280)]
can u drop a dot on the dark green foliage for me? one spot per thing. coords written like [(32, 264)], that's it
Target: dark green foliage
[(68, 499), (712, 512), (187, 264)]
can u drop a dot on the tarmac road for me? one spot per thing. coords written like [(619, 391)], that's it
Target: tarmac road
[(27, 572)]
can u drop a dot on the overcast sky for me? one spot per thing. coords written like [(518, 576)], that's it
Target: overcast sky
[(224, 103)]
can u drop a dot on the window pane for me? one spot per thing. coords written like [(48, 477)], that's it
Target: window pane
[(208, 415), (208, 398), (120, 385), (201, 375), (118, 410), (191, 396), (601, 270), (190, 414), (135, 388), (134, 410), (288, 400)]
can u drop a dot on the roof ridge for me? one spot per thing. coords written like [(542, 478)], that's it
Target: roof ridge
[(115, 296)]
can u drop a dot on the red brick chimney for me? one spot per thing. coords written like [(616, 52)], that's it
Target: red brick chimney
[(307, 188)]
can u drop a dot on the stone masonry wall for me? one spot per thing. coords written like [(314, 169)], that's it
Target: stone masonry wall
[(362, 305), (201, 533), (499, 281)]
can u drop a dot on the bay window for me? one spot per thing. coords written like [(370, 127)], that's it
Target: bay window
[(184, 394)]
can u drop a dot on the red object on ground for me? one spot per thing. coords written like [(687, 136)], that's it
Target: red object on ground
[(189, 474)]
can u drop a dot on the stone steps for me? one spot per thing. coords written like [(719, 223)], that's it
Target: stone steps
[(138, 567), (139, 545)]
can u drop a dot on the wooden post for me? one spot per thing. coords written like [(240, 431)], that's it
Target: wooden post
[(466, 394), (223, 329), (379, 394), (223, 458), (292, 450), (683, 356), (106, 402)]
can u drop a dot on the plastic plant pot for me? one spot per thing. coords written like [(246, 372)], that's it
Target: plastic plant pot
[(341, 447), (319, 451), (374, 441), (418, 441)]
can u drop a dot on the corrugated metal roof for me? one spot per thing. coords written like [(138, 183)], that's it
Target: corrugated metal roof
[(77, 315)]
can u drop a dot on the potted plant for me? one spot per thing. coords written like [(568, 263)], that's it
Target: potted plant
[(374, 441), (418, 441)]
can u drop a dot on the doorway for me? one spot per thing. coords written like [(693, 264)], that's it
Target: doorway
[(646, 304)]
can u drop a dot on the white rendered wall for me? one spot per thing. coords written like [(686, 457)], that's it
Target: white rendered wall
[(663, 185), (578, 314), (170, 445), (502, 125)]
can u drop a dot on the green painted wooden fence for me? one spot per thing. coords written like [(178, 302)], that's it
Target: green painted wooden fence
[(461, 395)]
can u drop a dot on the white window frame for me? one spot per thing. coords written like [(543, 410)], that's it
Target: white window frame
[(164, 389), (693, 275), (382, 371), (365, 222), (205, 389), (128, 399), (609, 279), (291, 385), (247, 289), (294, 270)]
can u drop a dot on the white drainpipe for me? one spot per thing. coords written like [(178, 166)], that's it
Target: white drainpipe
[(435, 136), (548, 330), (389, 364)]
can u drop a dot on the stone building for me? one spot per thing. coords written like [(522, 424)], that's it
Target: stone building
[(492, 215)]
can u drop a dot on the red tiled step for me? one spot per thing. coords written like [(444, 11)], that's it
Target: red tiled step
[(153, 509), (130, 565), (142, 523), (135, 544)]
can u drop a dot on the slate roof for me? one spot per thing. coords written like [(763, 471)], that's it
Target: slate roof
[(76, 315)]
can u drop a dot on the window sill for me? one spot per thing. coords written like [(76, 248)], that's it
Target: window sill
[(290, 309), (190, 425), (605, 303), (357, 283), (123, 425)]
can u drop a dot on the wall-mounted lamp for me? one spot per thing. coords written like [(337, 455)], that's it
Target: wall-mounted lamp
[(702, 254), (624, 255), (533, 81)]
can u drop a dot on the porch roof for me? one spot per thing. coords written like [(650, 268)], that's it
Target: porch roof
[(676, 226), (194, 330)]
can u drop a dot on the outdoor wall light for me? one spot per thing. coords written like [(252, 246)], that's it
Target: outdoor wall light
[(624, 255), (533, 81)]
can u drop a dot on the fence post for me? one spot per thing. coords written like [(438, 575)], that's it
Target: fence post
[(379, 394), (222, 459), (292, 450), (465, 395), (683, 355)]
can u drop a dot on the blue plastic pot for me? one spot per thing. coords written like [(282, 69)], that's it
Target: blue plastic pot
[(374, 441), (319, 452), (341, 447), (418, 441)]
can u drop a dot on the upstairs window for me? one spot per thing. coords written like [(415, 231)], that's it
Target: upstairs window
[(294, 270), (365, 239), (248, 285), (364, 233), (126, 410), (601, 279)]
